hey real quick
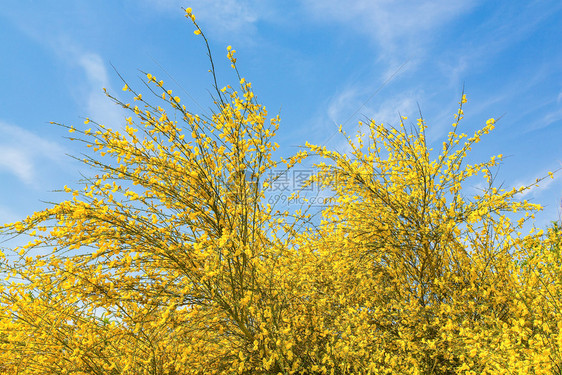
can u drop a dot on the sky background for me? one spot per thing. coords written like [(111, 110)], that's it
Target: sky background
[(318, 63)]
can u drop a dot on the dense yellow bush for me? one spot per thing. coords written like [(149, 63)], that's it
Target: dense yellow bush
[(170, 261)]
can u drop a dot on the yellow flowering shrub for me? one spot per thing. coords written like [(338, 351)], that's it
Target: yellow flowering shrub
[(170, 260), (428, 279)]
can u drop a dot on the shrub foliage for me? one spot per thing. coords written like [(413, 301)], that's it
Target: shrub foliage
[(171, 261)]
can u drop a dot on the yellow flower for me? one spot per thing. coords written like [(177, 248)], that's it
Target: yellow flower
[(197, 32)]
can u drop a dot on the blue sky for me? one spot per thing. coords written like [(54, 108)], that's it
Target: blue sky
[(319, 63)]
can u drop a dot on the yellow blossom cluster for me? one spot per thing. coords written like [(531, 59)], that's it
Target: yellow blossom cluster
[(169, 260)]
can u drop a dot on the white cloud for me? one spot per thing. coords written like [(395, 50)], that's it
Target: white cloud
[(87, 87), (22, 152), (99, 107), (400, 27), (390, 110), (343, 105), (8, 216), (551, 117), (94, 68), (353, 105), (220, 16), (17, 162), (541, 186)]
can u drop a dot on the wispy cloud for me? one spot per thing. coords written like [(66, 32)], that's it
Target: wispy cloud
[(22, 152), (390, 110), (8, 216), (222, 17), (343, 105), (88, 68), (99, 107), (550, 118), (352, 105), (400, 27), (94, 77), (17, 162), (546, 193), (541, 186), (90, 83)]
